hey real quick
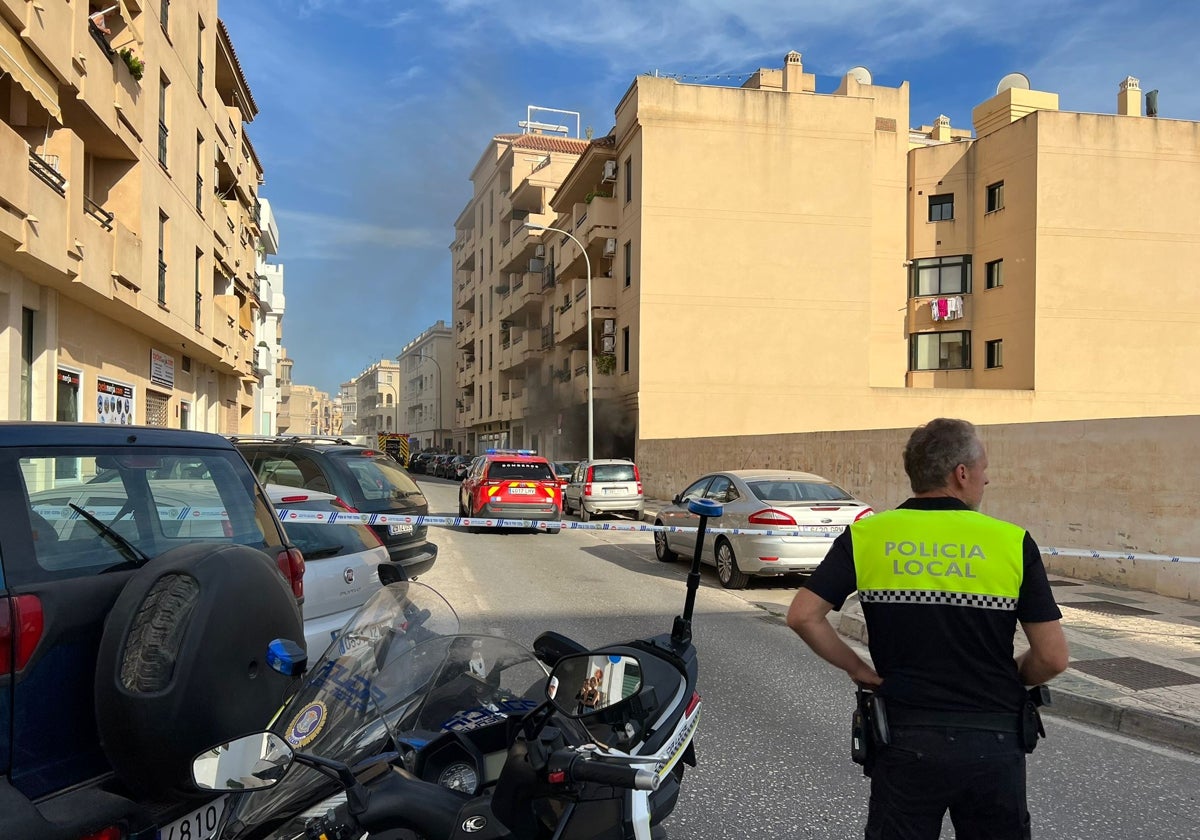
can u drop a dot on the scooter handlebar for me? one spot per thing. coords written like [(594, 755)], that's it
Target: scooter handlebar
[(595, 770)]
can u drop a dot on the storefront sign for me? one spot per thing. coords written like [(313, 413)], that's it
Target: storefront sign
[(162, 369), (114, 403)]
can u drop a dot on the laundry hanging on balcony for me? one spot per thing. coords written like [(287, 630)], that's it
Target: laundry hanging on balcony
[(946, 309)]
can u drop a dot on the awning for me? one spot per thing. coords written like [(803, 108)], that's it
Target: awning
[(28, 71)]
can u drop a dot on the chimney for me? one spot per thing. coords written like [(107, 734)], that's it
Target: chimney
[(941, 129), (1152, 103), (793, 72), (1129, 98)]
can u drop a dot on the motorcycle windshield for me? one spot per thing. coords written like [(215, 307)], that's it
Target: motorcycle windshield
[(375, 675)]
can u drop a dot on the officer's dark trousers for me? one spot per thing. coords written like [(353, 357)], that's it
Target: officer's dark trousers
[(979, 777)]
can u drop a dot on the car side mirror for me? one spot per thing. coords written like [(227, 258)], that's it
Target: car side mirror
[(585, 684), (678, 500)]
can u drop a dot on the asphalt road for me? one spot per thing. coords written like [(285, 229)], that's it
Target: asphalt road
[(773, 741)]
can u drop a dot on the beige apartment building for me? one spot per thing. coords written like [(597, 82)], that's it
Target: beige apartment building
[(128, 216), (427, 388), (767, 263)]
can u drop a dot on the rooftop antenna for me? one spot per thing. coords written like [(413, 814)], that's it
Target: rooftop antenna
[(1019, 81), (530, 125), (861, 74)]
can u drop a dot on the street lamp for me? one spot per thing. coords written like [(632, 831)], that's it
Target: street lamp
[(587, 262), (438, 398)]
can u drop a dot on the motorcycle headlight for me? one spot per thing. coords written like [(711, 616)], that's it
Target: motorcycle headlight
[(459, 776)]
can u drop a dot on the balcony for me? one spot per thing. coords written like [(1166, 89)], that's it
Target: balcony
[(523, 248), (919, 317), (127, 256), (93, 230), (465, 335), (225, 320)]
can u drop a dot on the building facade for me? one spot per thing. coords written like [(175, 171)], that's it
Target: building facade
[(377, 399), (129, 216), (268, 326), (427, 388), (769, 260)]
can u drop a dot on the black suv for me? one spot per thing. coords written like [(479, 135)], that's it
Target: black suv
[(368, 480), (135, 564)]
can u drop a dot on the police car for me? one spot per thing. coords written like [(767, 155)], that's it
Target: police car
[(511, 484)]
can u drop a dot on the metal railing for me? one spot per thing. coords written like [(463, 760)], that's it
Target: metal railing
[(98, 213), (47, 173), (162, 280)]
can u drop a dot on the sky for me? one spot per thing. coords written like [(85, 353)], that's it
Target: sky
[(374, 112)]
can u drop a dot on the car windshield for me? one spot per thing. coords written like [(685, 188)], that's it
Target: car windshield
[(525, 470), (154, 498), (796, 490), (317, 540), (612, 472)]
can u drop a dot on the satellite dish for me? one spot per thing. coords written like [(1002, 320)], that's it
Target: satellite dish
[(1013, 80), (861, 74)]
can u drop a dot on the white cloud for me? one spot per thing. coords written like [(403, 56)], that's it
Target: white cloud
[(321, 236)]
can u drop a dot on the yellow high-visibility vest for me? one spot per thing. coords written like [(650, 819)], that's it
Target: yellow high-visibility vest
[(957, 557)]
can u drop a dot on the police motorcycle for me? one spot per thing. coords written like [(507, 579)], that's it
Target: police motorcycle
[(408, 728)]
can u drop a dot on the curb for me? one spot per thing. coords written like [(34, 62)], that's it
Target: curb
[(1144, 724)]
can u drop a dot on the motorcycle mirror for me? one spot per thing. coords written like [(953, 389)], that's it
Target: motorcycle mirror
[(584, 684), (248, 763)]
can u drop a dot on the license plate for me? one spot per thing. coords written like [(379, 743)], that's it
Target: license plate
[(399, 529), (200, 824), (521, 491), (821, 529), (613, 491)]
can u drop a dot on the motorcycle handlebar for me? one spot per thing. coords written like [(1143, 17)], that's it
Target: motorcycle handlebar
[(594, 770)]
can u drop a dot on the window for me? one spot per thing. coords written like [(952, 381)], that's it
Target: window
[(26, 364), (941, 208), (200, 58), (162, 258), (199, 300), (200, 173), (995, 197), (995, 353), (491, 255), (163, 84), (628, 179), (625, 350), (994, 273), (628, 264), (164, 16), (940, 276), (940, 351)]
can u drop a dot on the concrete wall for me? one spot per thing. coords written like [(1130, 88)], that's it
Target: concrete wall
[(1112, 485)]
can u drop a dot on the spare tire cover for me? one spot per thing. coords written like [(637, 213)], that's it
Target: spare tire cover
[(182, 661)]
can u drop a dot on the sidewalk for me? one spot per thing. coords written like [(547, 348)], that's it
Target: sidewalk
[(1135, 658)]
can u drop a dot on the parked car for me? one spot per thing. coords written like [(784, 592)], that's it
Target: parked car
[(762, 499), (419, 462), (116, 541), (604, 486), (344, 563), (511, 484), (563, 470), (459, 466), (365, 479), (443, 465)]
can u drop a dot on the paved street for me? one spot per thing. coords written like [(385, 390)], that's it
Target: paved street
[(773, 740)]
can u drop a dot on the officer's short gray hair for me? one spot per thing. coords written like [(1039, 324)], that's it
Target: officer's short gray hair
[(936, 449)]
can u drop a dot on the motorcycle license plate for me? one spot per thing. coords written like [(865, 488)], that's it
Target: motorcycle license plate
[(399, 529), (200, 824)]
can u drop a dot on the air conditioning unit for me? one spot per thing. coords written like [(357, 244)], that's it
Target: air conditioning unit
[(610, 171), (608, 344), (539, 251), (610, 326), (610, 247)]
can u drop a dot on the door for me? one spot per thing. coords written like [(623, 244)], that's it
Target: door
[(678, 515), (721, 491)]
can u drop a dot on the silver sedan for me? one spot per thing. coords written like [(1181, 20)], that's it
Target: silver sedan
[(760, 499)]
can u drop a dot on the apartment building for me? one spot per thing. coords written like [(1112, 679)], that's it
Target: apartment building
[(768, 260), (268, 326), (377, 398), (427, 388), (348, 402), (129, 216)]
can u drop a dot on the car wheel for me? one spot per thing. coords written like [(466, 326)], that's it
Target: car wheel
[(462, 511), (552, 530), (728, 573), (584, 516), (661, 550)]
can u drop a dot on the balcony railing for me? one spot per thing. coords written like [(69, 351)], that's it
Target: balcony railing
[(199, 308), (47, 173), (162, 281), (98, 213)]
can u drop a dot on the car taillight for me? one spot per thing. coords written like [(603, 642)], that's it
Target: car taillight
[(291, 565), (587, 488), (639, 485), (770, 516), (864, 514), (589, 475), (112, 832), (22, 614)]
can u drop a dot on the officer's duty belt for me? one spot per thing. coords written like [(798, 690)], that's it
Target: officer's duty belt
[(986, 721)]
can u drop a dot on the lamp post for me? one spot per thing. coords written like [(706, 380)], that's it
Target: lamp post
[(438, 398), (588, 263)]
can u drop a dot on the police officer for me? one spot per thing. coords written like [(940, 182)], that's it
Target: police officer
[(942, 588)]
